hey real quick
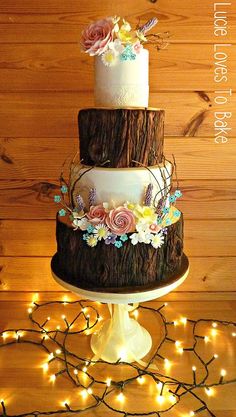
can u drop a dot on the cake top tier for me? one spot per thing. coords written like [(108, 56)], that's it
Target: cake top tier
[(121, 62)]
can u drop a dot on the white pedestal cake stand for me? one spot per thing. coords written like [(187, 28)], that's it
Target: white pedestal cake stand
[(121, 337)]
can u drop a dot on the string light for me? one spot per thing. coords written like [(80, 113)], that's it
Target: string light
[(45, 366), (183, 320), (89, 391), (222, 375), (84, 369), (58, 351), (30, 310), (167, 363), (53, 378), (213, 332), (209, 391), (141, 380), (121, 397), (191, 413), (160, 399), (108, 382), (84, 393), (214, 324), (206, 339), (234, 334), (75, 372), (5, 335), (194, 374)]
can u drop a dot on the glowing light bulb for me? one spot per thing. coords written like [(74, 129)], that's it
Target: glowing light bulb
[(191, 413), (63, 316), (122, 354), (65, 403), (177, 343), (213, 332), (194, 368), (4, 335), (100, 318), (89, 391), (30, 310), (50, 356), (167, 363), (58, 351), (216, 356), (65, 300), (165, 304), (175, 323), (209, 391), (234, 334), (206, 339), (183, 320), (160, 399), (84, 309), (75, 372), (141, 380), (180, 350), (121, 397), (48, 318), (108, 382), (1, 401), (52, 378), (84, 394), (84, 369), (214, 324), (45, 366), (172, 398), (223, 372), (58, 327)]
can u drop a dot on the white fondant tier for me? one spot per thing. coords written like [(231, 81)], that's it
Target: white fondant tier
[(116, 186), (124, 84)]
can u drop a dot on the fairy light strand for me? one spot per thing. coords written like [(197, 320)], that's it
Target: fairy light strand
[(88, 317)]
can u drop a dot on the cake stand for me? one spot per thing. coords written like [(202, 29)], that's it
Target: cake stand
[(121, 337)]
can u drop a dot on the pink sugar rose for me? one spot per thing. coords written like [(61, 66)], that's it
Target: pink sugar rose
[(154, 228), (137, 47), (97, 214), (97, 36), (120, 221)]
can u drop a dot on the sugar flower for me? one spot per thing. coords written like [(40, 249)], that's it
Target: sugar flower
[(101, 231), (97, 214), (90, 228), (145, 214), (91, 241), (109, 58), (57, 198), (97, 36), (154, 228), (81, 224), (62, 212), (120, 221), (137, 47), (118, 244), (64, 189), (134, 238), (157, 240), (110, 239)]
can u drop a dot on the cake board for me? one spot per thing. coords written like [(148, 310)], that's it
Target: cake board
[(121, 337)]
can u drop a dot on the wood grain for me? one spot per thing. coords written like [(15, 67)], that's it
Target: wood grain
[(29, 274), (33, 199), (49, 67), (186, 114), (37, 238), (21, 372), (42, 158), (63, 21)]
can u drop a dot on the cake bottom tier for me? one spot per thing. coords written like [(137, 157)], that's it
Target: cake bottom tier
[(106, 266)]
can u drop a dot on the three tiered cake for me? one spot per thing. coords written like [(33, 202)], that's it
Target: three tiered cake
[(119, 227)]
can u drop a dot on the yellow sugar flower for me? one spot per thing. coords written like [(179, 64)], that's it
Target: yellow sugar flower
[(109, 58), (145, 214), (127, 36)]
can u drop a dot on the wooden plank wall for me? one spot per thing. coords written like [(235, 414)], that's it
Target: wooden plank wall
[(45, 80)]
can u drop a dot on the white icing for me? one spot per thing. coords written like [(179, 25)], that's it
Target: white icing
[(123, 85), (116, 186)]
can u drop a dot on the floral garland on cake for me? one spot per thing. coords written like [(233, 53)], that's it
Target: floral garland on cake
[(115, 42), (114, 226)]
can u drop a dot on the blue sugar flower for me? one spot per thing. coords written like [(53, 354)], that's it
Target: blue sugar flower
[(64, 189), (85, 236), (62, 212), (176, 213), (118, 244), (178, 194), (165, 210), (123, 238), (172, 198), (90, 229), (168, 222), (159, 220), (57, 198), (128, 54)]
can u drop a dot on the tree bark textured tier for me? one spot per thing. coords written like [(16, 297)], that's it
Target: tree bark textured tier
[(121, 136), (106, 266)]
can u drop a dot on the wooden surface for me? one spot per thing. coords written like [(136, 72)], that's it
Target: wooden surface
[(44, 81), (19, 376)]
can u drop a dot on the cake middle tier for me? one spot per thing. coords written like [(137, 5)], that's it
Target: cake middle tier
[(121, 136), (116, 186)]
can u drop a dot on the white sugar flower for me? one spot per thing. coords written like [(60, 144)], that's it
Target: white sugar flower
[(101, 231), (157, 240), (144, 237), (117, 46), (142, 227), (134, 238), (109, 58), (82, 224)]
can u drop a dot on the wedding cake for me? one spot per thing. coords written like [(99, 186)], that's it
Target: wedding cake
[(118, 227)]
